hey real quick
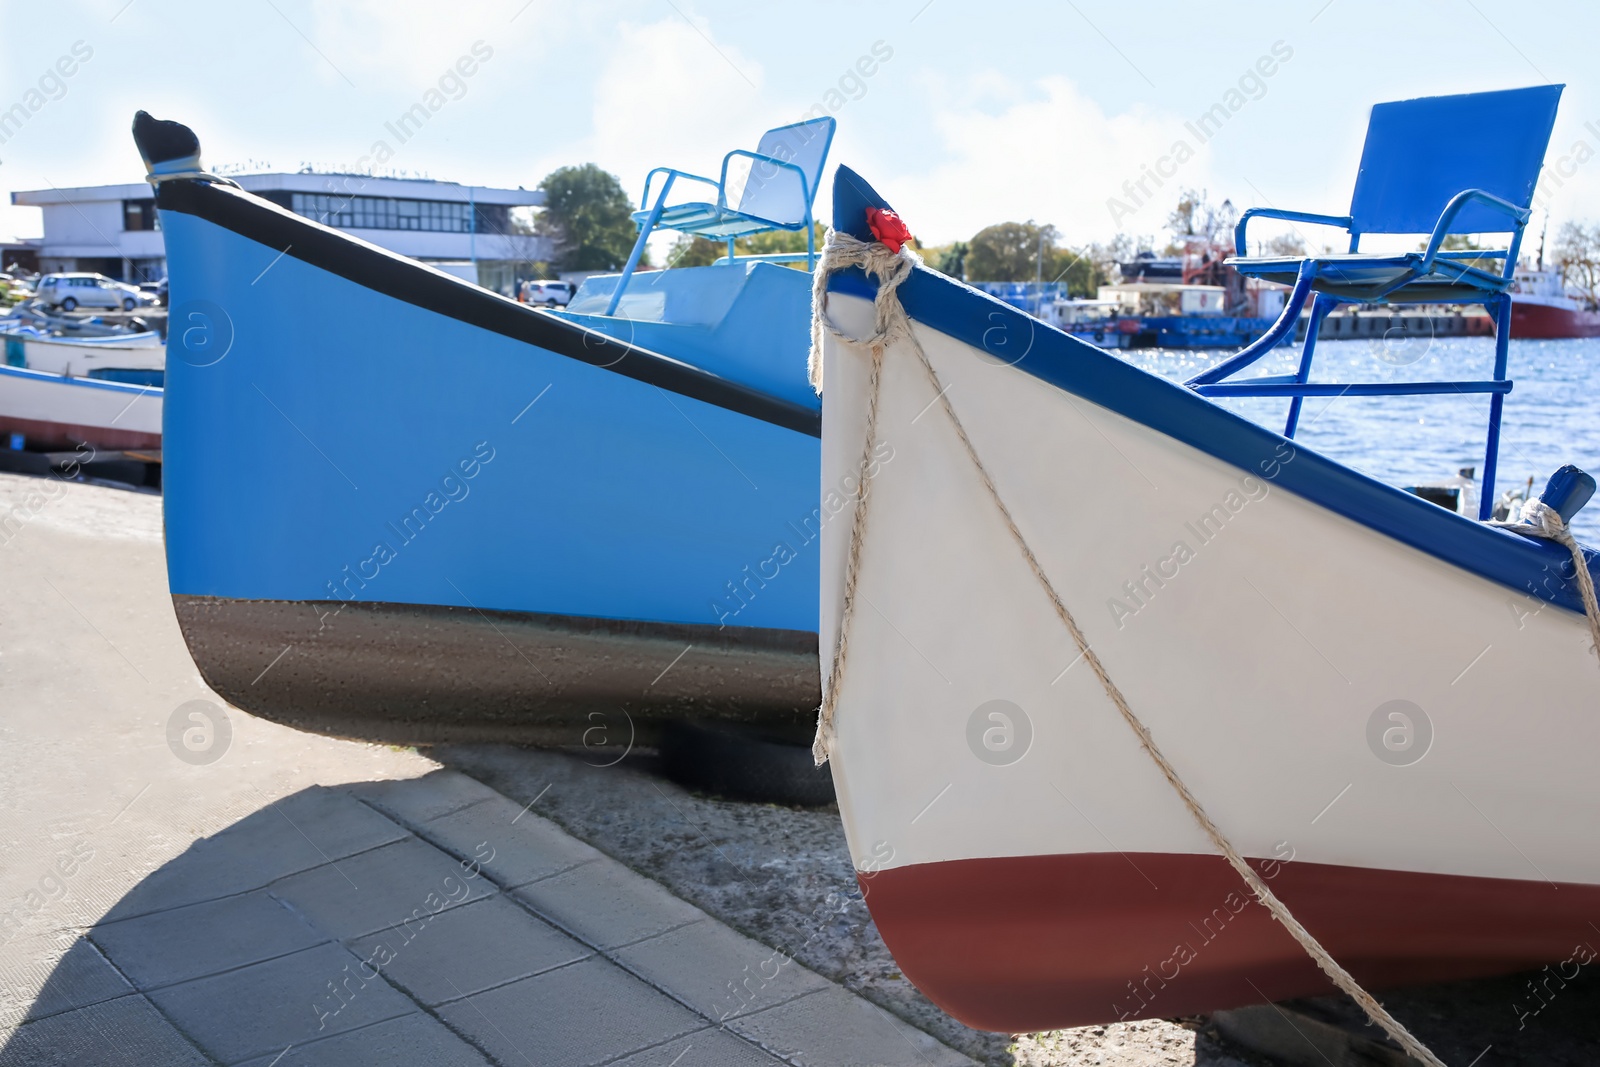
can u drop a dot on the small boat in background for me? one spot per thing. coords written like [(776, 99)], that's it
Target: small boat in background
[(84, 356), (1099, 322), (45, 411), (37, 338)]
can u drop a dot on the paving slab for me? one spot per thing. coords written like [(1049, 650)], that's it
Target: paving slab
[(126, 1032), (710, 1047), (582, 1014), (411, 1039), (469, 949), (295, 834), (718, 972), (200, 939), (606, 905), (836, 1027), (292, 1000), (408, 881), (514, 846), (79, 977), (414, 800)]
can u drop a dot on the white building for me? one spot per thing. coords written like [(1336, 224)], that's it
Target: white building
[(113, 229)]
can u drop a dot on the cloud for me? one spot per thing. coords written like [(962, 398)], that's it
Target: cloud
[(672, 95), (387, 43), (1043, 151)]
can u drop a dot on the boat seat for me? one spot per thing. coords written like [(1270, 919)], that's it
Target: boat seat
[(1355, 277), (1442, 166), (705, 220), (774, 193)]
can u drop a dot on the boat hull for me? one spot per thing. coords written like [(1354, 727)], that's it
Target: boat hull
[(1020, 944), (519, 515), (58, 413), (79, 357), (1310, 649), (1533, 320), (423, 674)]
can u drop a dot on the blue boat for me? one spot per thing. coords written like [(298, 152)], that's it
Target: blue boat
[(404, 508)]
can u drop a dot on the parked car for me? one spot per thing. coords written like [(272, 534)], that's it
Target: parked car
[(71, 291), (550, 294)]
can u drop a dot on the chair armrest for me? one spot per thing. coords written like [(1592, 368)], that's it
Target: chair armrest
[(644, 200), (1441, 229), (805, 187), (1343, 221)]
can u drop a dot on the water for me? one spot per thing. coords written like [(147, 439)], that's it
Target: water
[(1552, 416)]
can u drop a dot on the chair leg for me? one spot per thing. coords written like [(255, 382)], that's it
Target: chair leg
[(1280, 331), (639, 245), (1491, 456), (1319, 311)]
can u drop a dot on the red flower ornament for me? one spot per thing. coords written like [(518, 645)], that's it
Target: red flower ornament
[(888, 228)]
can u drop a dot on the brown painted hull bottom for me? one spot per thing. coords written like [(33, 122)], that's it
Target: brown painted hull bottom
[(1041, 942), (64, 436), (425, 674)]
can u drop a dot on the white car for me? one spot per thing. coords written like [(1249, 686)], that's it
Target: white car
[(72, 291), (550, 294)]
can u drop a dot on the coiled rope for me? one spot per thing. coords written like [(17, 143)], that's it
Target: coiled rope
[(891, 323), (1541, 520)]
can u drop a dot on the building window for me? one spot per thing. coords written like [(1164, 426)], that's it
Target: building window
[(140, 215), (383, 213)]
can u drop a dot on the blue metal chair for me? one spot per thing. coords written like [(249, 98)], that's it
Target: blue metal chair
[(778, 190), (1439, 165)]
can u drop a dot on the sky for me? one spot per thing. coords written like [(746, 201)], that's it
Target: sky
[(972, 113)]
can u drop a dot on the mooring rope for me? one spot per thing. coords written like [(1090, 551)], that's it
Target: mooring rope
[(891, 268), (1541, 520)]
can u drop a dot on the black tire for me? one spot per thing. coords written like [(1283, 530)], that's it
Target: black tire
[(128, 303), (69, 304), (739, 763)]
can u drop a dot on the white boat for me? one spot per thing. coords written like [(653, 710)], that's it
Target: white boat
[(1390, 710), (59, 412), (84, 355)]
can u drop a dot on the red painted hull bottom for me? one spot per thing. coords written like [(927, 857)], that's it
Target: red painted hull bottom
[(1542, 321), (1041, 942)]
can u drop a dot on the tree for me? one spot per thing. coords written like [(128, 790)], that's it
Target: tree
[(525, 247), (1010, 252), (1195, 216), (775, 242), (1576, 254), (587, 218), (950, 259), (1109, 257), (690, 251), (1077, 270), (1284, 244)]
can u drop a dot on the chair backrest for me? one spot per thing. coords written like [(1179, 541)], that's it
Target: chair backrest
[(774, 192), (1421, 153)]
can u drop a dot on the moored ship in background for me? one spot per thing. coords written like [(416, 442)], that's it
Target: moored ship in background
[(1542, 308)]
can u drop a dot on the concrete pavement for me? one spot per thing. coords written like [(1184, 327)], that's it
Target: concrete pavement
[(184, 884)]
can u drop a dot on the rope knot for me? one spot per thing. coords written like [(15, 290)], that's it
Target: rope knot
[(840, 252)]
